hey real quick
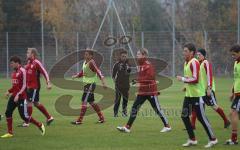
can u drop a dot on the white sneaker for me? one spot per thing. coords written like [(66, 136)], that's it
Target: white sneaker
[(123, 129), (211, 143), (166, 129), (230, 142), (190, 143), (49, 121), (25, 125)]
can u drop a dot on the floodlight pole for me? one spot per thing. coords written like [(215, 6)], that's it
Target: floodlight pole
[(42, 30), (173, 38), (104, 18), (238, 28), (7, 55)]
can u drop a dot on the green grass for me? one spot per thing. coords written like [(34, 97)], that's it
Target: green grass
[(145, 132)]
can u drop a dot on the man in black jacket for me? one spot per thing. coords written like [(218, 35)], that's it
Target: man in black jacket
[(120, 75)]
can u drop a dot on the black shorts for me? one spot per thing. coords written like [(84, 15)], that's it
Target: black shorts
[(190, 104), (210, 100), (33, 95), (88, 94), (22, 108), (236, 104)]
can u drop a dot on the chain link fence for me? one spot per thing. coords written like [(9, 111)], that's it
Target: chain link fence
[(160, 45)]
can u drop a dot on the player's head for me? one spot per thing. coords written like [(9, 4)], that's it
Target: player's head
[(88, 55), (189, 51), (235, 51), (142, 53), (201, 54), (123, 55), (15, 61), (32, 53)]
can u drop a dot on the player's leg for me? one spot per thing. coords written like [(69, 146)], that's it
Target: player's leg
[(193, 119), (116, 102), (82, 111), (42, 108), (135, 108), (125, 96), (85, 96), (94, 105), (219, 110), (9, 112), (186, 111), (194, 114), (22, 109), (156, 107), (234, 121), (234, 116), (31, 94), (97, 108), (199, 108)]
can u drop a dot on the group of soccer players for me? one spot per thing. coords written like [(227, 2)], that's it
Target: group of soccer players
[(25, 92), (199, 88)]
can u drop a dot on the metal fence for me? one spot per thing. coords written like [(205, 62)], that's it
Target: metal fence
[(160, 45)]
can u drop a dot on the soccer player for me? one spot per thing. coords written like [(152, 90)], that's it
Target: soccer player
[(235, 96), (34, 68), (89, 72), (208, 83), (193, 97), (120, 75), (18, 98), (147, 90)]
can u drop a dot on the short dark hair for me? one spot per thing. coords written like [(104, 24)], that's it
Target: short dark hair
[(191, 47), (235, 48), (123, 52), (89, 51), (15, 59), (202, 51)]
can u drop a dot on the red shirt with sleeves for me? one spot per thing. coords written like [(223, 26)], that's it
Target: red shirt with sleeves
[(34, 68), (146, 79), (209, 72), (19, 83)]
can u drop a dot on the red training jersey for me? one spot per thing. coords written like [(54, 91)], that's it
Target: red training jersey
[(146, 79), (209, 72), (19, 83), (34, 68)]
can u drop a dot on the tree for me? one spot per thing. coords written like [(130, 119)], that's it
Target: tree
[(2, 17), (17, 19)]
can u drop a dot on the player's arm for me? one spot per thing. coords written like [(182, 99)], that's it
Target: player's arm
[(95, 69), (128, 68), (78, 75), (44, 73), (194, 66), (9, 92), (208, 70), (114, 72), (232, 96), (24, 84)]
